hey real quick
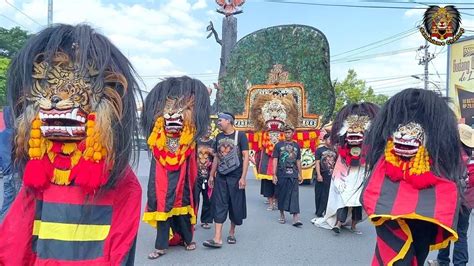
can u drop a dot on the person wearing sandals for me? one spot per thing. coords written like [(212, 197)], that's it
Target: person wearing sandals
[(228, 179), (205, 157), (176, 113), (288, 175)]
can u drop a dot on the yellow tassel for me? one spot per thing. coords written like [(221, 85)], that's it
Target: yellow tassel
[(94, 150), (76, 157), (61, 177), (97, 156), (68, 148), (36, 142), (152, 139)]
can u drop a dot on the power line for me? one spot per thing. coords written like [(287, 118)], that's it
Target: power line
[(26, 15), (371, 56), (13, 21), (379, 41), (340, 5), (372, 48), (411, 2), (436, 70)]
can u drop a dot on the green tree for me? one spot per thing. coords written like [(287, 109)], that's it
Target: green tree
[(354, 90), (4, 62), (11, 41)]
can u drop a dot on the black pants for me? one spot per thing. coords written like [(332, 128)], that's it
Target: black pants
[(201, 187), (321, 194), (424, 234), (343, 212), (228, 199), (179, 224)]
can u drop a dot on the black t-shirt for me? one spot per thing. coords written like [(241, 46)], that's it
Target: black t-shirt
[(327, 159), (288, 153), (205, 157), (225, 144)]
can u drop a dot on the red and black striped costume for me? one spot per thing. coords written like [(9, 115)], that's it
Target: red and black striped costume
[(400, 214), (61, 225), (170, 192)]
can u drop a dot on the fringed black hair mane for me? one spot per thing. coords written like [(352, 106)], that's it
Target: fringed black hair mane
[(177, 87), (85, 47), (360, 109), (433, 114)]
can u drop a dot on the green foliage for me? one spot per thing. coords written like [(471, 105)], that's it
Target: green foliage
[(353, 90), (302, 50), (11, 41), (4, 62)]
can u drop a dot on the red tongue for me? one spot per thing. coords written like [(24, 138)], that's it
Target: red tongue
[(274, 127)]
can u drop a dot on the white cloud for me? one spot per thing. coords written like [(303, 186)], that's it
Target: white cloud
[(145, 35), (200, 4)]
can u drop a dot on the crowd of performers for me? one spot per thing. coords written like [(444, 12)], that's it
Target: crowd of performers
[(73, 99)]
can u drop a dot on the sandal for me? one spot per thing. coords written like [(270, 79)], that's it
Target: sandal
[(270, 208), (336, 230), (355, 231), (297, 224), (282, 220), (190, 247), (231, 240), (205, 226), (156, 254), (211, 244)]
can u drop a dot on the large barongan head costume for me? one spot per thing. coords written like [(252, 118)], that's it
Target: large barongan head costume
[(74, 100), (349, 129), (170, 120), (409, 124), (413, 165), (73, 96), (269, 114), (175, 115)]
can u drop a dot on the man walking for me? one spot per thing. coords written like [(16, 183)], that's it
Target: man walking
[(287, 176), (325, 161), (230, 164)]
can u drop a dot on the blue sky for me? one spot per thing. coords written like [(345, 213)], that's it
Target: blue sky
[(168, 37)]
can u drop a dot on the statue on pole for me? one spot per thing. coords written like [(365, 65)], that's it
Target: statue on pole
[(229, 36)]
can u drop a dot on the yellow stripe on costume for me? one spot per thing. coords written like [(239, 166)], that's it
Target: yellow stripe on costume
[(406, 246), (452, 237), (70, 232), (152, 218), (264, 177)]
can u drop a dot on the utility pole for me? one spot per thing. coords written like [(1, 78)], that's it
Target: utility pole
[(50, 12), (425, 60)]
